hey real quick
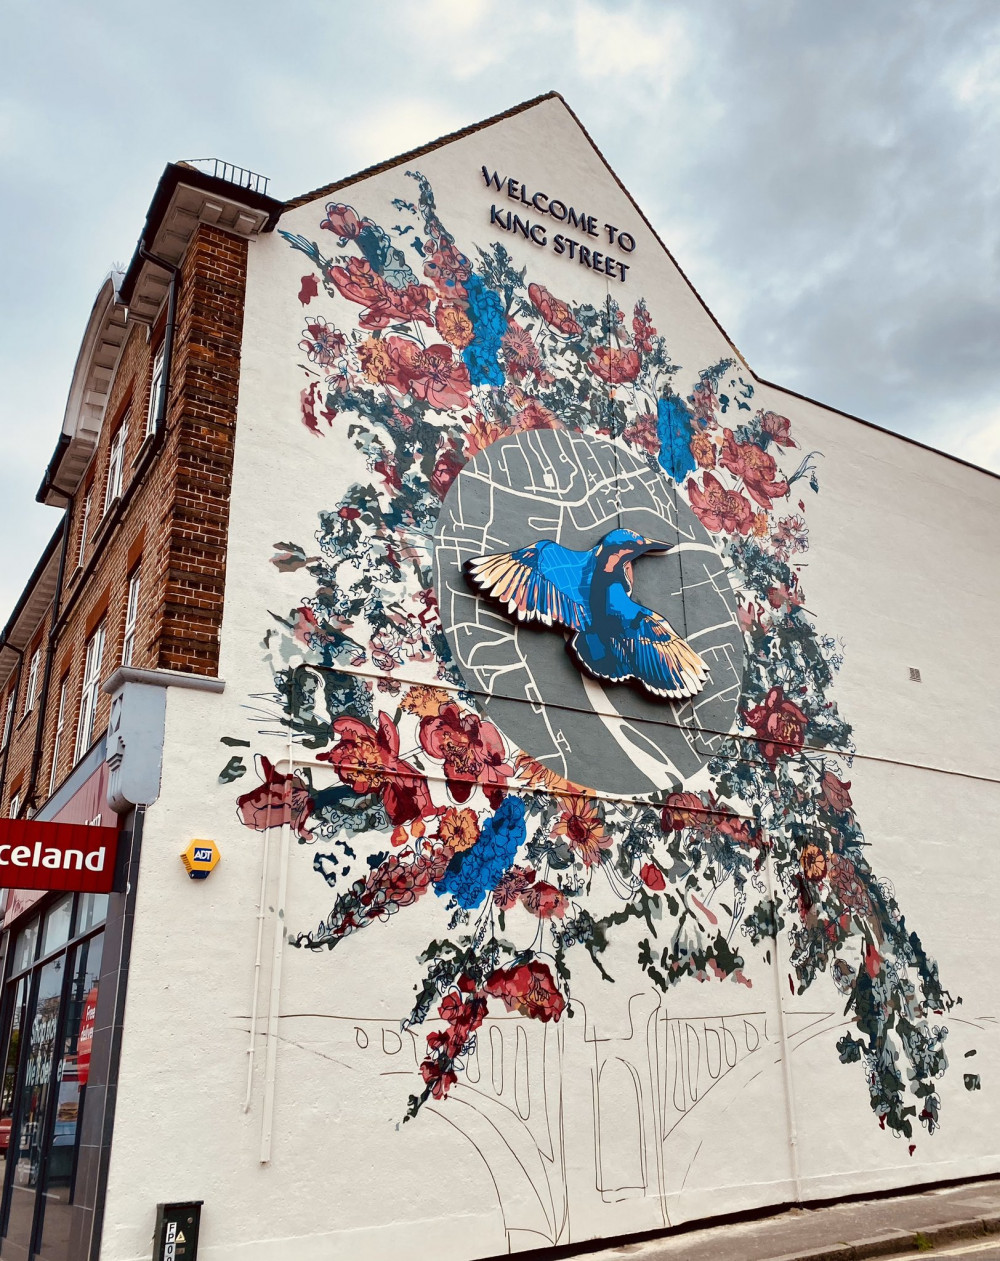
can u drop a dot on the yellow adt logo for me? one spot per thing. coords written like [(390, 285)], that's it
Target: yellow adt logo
[(200, 858)]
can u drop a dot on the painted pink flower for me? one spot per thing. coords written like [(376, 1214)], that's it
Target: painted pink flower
[(777, 428), (511, 886), (789, 536), (545, 901), (553, 310), (322, 343), (278, 800), (617, 367), (719, 509), (779, 724), (755, 466), (357, 282), (369, 762), (470, 748), (343, 220)]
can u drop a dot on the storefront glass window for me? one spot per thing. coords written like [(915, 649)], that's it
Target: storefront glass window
[(28, 1135), (72, 1073), (92, 909), (20, 1004), (24, 947), (51, 1009), (58, 922)]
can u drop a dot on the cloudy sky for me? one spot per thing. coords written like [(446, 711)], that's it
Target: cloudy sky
[(826, 174)]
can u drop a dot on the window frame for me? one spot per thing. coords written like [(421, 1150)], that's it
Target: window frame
[(31, 688), (8, 720), (60, 725), (131, 616), (89, 696), (116, 463), (157, 385)]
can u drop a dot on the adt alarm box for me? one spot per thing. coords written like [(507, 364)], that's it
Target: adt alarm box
[(177, 1231)]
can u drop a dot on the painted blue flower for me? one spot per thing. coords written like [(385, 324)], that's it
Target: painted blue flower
[(486, 312), (673, 426), (472, 874)]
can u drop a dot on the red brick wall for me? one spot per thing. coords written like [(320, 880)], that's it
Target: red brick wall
[(175, 525)]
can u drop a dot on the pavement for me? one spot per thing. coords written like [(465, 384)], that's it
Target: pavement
[(955, 1221)]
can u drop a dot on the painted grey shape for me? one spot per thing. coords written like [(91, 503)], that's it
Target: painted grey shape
[(574, 488)]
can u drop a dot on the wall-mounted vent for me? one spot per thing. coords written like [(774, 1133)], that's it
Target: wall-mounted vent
[(914, 674)]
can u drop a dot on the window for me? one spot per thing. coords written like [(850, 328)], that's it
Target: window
[(116, 464), (32, 688), (91, 691), (60, 724), (15, 806), (131, 617), (8, 721), (83, 528), (156, 388)]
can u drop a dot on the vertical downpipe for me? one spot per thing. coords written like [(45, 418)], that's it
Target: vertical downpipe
[(278, 949), (786, 1062)]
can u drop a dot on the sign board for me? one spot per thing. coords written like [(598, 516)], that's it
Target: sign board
[(176, 1235), (75, 857), (85, 1038)]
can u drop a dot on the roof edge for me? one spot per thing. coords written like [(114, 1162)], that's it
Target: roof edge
[(43, 562), (175, 174), (304, 198)]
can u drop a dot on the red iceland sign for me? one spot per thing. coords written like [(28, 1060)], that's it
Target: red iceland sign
[(77, 857)]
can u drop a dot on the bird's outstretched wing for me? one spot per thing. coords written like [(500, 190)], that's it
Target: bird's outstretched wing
[(543, 582), (649, 651)]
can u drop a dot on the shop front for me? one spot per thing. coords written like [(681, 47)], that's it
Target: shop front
[(53, 1097)]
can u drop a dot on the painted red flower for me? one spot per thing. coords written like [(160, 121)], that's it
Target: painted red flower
[(779, 724), (519, 349), (617, 367), (642, 328), (278, 800), (642, 432), (836, 792), (545, 900), (719, 509), (438, 1077), (308, 289), (755, 466), (528, 988), (450, 463), (704, 403), (534, 416), (401, 880), (682, 810), (777, 428), (553, 310), (383, 304), (471, 749), (369, 761), (343, 220), (652, 877)]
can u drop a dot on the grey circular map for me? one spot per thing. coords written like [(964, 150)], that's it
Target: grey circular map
[(573, 489)]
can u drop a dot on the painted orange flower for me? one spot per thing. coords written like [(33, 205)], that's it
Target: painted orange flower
[(454, 326), (535, 775), (480, 434), (459, 829), (422, 699), (813, 863), (581, 825), (703, 450), (376, 362)]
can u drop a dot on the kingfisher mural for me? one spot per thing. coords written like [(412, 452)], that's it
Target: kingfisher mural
[(476, 398), (590, 593)]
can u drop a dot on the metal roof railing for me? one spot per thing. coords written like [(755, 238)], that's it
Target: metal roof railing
[(238, 175)]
